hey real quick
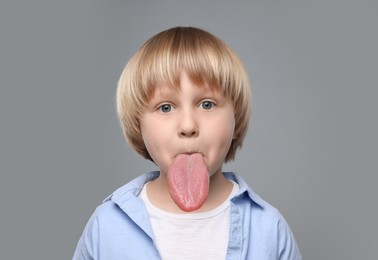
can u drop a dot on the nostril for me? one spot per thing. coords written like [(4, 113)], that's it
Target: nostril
[(188, 133)]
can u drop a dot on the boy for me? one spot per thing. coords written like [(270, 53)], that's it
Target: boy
[(184, 103)]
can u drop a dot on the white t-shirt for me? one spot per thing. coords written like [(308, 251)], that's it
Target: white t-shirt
[(191, 236)]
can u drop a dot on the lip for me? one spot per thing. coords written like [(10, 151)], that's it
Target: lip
[(189, 153)]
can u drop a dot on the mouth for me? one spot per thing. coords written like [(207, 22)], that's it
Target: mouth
[(189, 153)]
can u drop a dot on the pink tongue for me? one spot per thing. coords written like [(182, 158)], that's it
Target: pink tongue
[(188, 181)]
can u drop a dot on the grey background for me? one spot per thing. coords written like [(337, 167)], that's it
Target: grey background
[(312, 145)]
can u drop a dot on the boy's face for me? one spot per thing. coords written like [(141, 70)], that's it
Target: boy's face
[(193, 119)]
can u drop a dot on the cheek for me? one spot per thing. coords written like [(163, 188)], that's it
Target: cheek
[(227, 128), (222, 134), (156, 139), (148, 135), (150, 143), (150, 138)]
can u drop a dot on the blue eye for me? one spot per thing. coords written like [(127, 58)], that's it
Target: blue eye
[(207, 105), (165, 108)]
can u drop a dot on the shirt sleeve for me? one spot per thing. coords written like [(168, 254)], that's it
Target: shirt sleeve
[(288, 248), (87, 247)]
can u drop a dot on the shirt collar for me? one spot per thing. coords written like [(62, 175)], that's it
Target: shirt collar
[(131, 189), (244, 189)]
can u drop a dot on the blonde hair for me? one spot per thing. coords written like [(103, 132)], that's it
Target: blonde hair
[(208, 62)]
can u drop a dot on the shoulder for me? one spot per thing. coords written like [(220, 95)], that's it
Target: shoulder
[(114, 207), (249, 202), (263, 224), (247, 196), (120, 217)]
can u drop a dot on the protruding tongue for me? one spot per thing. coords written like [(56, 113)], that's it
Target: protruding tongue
[(188, 180)]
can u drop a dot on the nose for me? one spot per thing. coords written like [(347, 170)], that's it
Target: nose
[(188, 126)]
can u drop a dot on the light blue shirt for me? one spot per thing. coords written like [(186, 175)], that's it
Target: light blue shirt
[(120, 227)]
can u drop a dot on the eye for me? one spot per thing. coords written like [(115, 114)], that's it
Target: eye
[(165, 108), (207, 105)]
